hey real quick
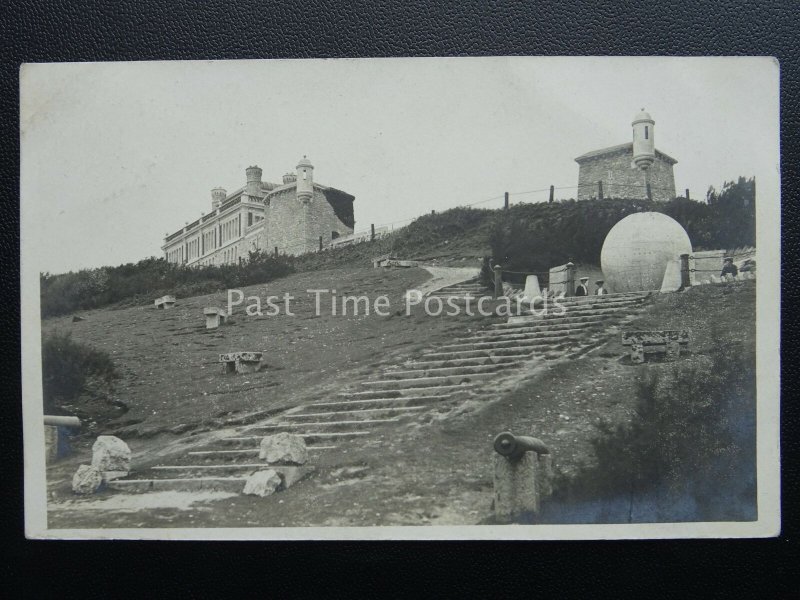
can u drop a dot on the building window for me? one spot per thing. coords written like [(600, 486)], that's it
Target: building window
[(646, 132), (249, 219)]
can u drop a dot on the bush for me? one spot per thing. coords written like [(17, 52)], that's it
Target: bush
[(149, 278), (535, 237), (71, 371), (691, 440)]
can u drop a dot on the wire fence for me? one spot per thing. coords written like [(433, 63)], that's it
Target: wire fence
[(381, 230)]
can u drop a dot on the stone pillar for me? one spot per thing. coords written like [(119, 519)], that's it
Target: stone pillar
[(520, 483), (498, 281), (569, 279)]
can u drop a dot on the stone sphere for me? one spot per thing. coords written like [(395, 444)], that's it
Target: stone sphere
[(637, 249)]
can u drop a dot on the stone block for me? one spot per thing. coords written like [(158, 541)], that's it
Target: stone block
[(532, 289), (672, 276), (215, 316), (240, 362), (291, 475), (87, 480), (111, 454), (165, 302), (284, 448), (262, 483)]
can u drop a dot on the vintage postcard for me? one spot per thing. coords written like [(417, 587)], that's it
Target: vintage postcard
[(412, 298)]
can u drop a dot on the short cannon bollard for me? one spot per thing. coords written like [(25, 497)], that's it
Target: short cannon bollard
[(522, 475)]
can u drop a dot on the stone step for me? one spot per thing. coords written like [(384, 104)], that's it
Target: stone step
[(463, 354), (456, 370), (241, 469), (345, 405), (245, 454), (356, 413), (326, 425), (188, 484), (587, 316), (510, 344), (424, 363), (425, 382), (607, 297), (542, 334), (561, 309), (407, 393), (534, 326), (250, 441), (512, 335)]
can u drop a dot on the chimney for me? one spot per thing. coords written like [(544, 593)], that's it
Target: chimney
[(253, 181), (218, 196), (289, 178)]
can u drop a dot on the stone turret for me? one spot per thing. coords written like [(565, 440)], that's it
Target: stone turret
[(253, 181), (289, 178), (218, 196), (305, 180), (644, 148)]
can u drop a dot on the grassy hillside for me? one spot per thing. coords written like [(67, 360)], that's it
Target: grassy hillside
[(439, 471), (170, 378)]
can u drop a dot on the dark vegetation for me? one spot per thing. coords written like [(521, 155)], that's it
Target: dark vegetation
[(688, 450), (532, 238), (454, 231), (526, 238), (77, 379)]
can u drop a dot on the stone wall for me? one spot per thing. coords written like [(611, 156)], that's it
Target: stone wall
[(295, 228), (622, 179)]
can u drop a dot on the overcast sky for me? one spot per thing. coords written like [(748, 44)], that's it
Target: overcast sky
[(115, 155)]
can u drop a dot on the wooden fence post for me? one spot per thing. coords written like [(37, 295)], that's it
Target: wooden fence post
[(599, 190), (687, 194), (685, 275), (505, 206), (320, 243), (372, 232), (552, 193)]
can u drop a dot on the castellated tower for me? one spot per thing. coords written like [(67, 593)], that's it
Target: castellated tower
[(218, 196), (253, 181), (305, 180), (644, 147)]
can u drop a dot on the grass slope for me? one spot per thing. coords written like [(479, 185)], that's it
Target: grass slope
[(438, 471)]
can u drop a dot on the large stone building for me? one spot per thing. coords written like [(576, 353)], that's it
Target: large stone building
[(289, 218), (626, 171)]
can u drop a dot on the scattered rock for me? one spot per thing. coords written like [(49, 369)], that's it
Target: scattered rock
[(284, 448), (109, 453), (86, 480), (262, 483), (76, 318)]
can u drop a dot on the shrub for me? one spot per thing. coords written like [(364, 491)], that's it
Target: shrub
[(71, 370), (692, 438)]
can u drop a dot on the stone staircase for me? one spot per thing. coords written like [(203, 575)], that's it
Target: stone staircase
[(437, 380)]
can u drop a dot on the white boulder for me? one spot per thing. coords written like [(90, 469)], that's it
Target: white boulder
[(284, 448), (86, 480), (262, 483), (111, 454)]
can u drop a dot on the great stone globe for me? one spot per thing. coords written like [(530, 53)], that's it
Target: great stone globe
[(637, 249)]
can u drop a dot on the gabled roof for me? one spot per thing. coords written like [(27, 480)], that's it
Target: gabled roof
[(628, 147)]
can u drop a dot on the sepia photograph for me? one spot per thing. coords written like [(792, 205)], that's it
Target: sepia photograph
[(401, 298)]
